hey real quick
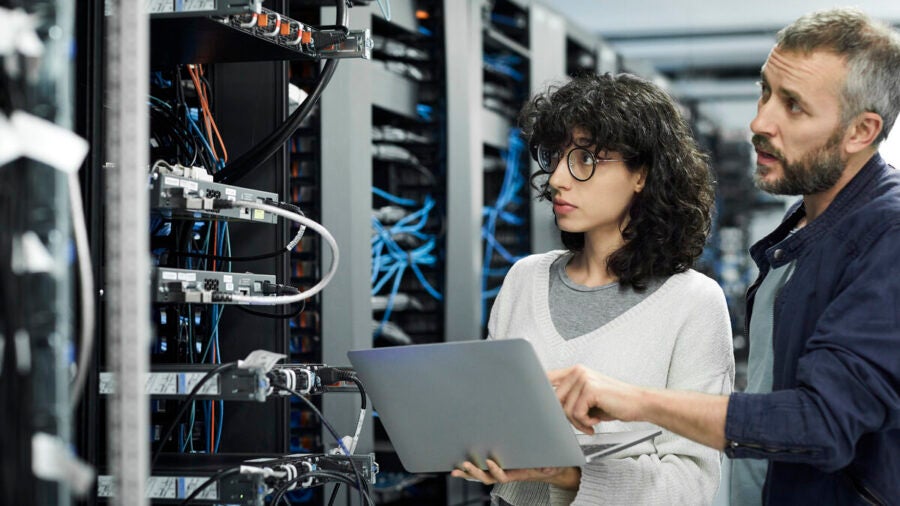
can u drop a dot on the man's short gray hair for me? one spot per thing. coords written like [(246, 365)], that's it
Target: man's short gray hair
[(871, 50)]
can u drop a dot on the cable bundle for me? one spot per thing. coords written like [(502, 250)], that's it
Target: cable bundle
[(501, 211), (390, 259)]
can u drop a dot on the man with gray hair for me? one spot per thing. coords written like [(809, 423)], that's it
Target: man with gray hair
[(821, 414)]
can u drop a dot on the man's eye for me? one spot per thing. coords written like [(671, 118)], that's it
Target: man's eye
[(794, 107)]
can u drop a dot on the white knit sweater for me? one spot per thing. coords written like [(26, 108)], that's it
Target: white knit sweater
[(679, 337)]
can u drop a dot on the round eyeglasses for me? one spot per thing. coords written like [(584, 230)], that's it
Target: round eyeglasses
[(581, 161)]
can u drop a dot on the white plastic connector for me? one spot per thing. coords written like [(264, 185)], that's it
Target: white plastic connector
[(251, 23), (296, 42), (298, 378), (198, 173), (274, 32), (266, 472)]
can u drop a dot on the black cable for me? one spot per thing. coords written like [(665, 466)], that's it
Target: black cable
[(262, 256), (279, 494), (207, 256), (184, 406), (362, 391), (214, 478), (361, 484), (183, 137), (274, 316), (342, 28), (334, 493), (257, 155)]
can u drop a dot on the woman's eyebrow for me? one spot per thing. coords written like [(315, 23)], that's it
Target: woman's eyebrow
[(582, 141)]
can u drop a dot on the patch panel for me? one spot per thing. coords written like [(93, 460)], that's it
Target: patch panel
[(184, 197), (232, 385), (175, 381), (249, 483), (242, 489), (169, 9), (207, 287), (301, 38)]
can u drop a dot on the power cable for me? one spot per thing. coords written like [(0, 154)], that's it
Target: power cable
[(361, 486), (257, 155)]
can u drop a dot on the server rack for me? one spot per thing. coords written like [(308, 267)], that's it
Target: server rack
[(506, 87), (409, 205), (256, 82)]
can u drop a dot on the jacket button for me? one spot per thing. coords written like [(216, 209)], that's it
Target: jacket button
[(778, 254)]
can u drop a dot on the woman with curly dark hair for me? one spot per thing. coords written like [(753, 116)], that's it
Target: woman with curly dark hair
[(632, 195)]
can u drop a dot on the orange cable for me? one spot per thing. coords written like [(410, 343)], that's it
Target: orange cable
[(209, 120), (204, 107)]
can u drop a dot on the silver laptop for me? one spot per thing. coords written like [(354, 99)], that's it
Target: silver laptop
[(442, 404)]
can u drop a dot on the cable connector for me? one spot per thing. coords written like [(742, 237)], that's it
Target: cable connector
[(326, 38), (331, 375), (221, 297), (223, 204), (278, 289), (294, 377)]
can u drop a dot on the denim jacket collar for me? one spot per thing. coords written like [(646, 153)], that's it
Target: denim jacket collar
[(777, 249)]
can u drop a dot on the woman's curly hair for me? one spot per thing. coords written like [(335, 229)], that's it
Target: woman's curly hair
[(670, 218)]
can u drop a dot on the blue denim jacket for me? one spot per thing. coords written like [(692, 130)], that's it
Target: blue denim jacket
[(831, 426)]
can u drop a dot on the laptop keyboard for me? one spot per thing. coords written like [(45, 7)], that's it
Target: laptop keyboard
[(592, 449)]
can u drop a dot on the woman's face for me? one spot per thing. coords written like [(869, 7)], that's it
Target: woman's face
[(599, 204)]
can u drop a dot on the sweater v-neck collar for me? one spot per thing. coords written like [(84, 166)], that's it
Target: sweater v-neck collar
[(541, 290)]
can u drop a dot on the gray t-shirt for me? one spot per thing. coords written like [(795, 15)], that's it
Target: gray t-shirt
[(577, 309), (748, 475)]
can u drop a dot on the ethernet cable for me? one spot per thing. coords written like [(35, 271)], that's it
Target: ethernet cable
[(513, 181), (390, 260), (184, 407), (262, 256), (302, 220)]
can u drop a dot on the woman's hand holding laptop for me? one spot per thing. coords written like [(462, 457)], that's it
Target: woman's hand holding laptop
[(562, 477)]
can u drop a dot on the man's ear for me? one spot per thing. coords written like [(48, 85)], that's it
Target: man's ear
[(863, 131)]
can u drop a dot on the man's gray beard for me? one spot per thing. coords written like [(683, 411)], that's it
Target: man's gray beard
[(814, 173)]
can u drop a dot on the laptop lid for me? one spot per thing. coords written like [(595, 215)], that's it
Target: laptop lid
[(445, 403)]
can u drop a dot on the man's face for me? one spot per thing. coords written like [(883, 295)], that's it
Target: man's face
[(798, 134)]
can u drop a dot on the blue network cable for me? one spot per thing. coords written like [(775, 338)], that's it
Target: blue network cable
[(513, 182), (193, 115), (390, 260), (504, 64)]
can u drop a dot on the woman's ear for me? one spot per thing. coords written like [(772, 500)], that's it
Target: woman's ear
[(641, 180)]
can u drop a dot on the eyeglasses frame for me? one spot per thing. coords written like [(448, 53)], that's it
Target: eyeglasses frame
[(551, 167)]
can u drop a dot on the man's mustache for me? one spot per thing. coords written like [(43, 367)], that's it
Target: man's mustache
[(762, 144)]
